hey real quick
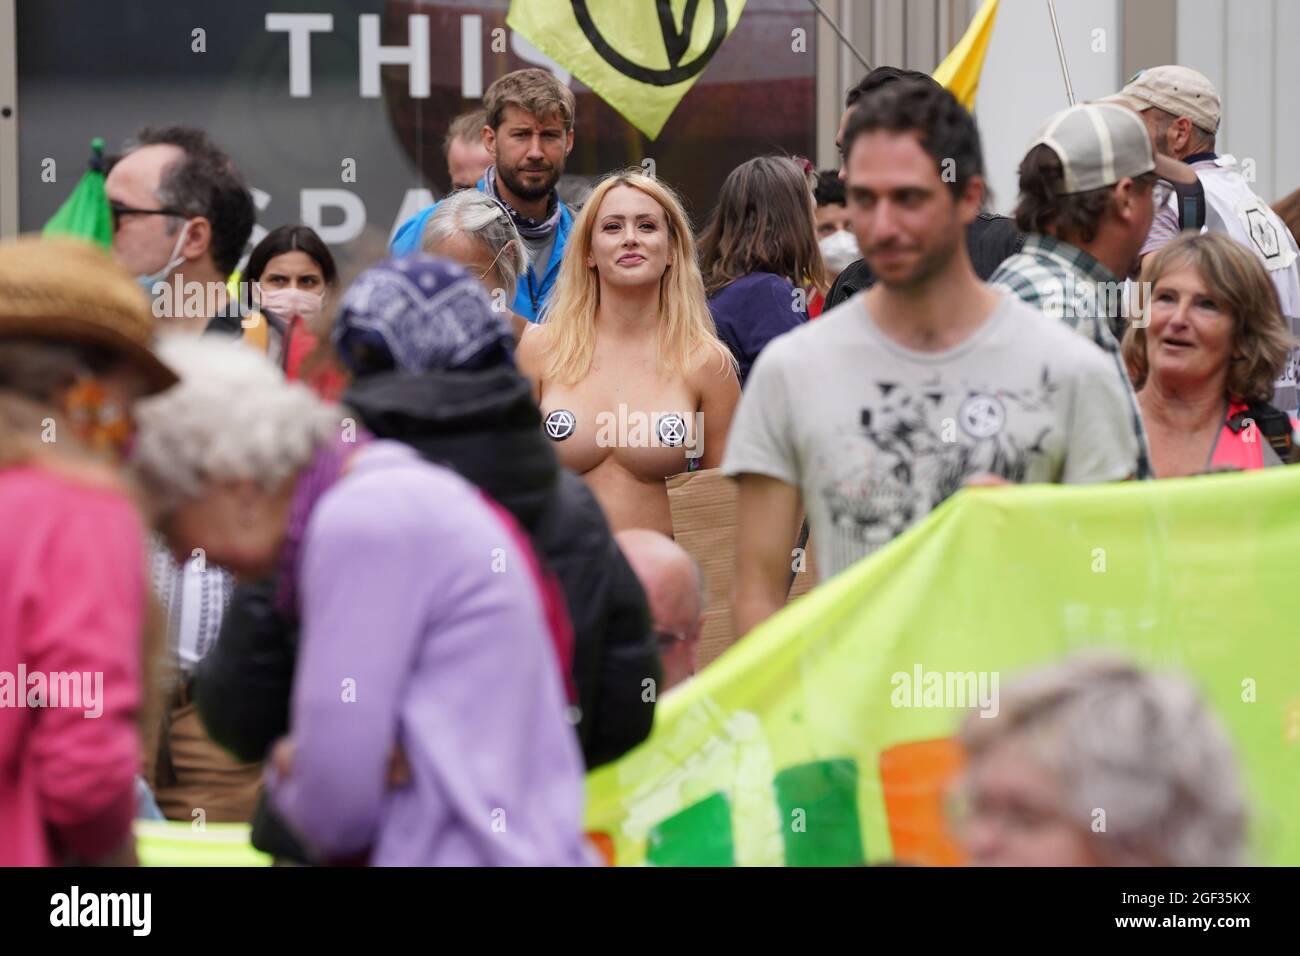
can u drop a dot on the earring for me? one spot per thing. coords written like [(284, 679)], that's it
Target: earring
[(102, 423)]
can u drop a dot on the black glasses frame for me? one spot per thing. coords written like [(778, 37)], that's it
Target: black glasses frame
[(118, 211)]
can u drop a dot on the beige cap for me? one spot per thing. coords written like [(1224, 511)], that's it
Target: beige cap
[(1178, 90), (1098, 144)]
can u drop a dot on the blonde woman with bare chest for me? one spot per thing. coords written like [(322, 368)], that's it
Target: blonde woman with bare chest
[(633, 382)]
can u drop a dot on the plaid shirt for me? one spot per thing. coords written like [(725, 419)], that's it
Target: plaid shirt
[(1066, 283)]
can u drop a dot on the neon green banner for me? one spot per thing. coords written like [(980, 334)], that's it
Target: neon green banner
[(803, 745), (178, 843)]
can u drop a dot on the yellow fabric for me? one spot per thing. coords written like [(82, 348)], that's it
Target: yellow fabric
[(959, 73), (635, 62), (256, 332)]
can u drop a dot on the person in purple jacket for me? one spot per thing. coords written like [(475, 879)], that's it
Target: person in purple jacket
[(759, 256), (428, 721)]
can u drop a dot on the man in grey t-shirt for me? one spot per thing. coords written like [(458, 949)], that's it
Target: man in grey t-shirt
[(875, 413)]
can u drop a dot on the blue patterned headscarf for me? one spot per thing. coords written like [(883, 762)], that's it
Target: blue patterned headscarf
[(419, 313)]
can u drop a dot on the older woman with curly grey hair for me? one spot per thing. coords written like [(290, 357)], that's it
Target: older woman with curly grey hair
[(424, 639), (474, 230), (1094, 762)]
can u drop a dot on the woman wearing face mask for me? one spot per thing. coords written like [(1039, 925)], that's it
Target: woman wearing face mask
[(758, 254), (834, 232), (633, 382), (293, 274), (74, 358)]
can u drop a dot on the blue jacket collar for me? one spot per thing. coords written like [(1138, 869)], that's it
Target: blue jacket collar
[(533, 290)]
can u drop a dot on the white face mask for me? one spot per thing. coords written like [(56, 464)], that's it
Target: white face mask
[(840, 250), (147, 282), (287, 303)]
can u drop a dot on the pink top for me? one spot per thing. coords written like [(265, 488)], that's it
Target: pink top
[(1243, 450), (72, 600)]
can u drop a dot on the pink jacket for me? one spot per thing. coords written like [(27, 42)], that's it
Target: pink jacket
[(72, 603)]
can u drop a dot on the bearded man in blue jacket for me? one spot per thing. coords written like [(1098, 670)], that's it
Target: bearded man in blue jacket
[(529, 134)]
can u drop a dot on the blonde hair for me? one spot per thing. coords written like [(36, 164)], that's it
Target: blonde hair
[(568, 328), (1238, 282)]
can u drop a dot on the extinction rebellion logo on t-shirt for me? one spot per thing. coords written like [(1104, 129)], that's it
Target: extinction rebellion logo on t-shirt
[(982, 416)]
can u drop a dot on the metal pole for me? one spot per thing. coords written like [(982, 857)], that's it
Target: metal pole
[(8, 119), (839, 33), (1060, 51)]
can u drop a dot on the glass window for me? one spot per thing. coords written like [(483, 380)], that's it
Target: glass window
[(133, 63)]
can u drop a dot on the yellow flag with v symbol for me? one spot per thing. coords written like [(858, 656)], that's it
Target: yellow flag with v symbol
[(640, 56)]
